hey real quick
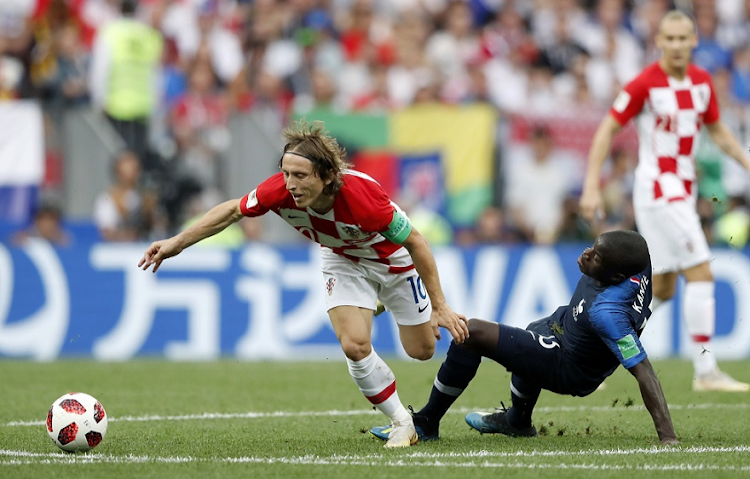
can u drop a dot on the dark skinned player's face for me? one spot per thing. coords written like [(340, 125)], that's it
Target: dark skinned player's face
[(592, 261)]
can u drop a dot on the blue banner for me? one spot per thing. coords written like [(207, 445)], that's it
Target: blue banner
[(266, 302)]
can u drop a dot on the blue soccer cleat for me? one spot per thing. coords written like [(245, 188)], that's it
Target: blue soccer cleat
[(497, 423)]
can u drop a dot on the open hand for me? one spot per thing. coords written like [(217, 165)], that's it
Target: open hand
[(157, 252), (455, 323)]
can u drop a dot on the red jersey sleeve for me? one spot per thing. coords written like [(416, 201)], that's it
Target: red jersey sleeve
[(630, 100), (267, 196), (368, 202)]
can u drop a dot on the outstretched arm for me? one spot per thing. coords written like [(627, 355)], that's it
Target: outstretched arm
[(442, 314), (653, 398), (591, 197), (215, 220), (724, 139)]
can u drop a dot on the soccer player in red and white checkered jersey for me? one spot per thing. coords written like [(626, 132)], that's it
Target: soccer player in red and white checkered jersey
[(671, 100), (369, 250)]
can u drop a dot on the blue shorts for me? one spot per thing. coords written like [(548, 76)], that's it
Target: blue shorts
[(536, 355)]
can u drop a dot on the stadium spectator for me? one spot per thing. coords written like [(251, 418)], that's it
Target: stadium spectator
[(492, 228), (12, 71), (569, 352), (546, 17), (370, 251), (198, 24), (572, 228), (232, 237), (199, 122), (47, 225), (538, 180), (453, 48), (124, 78), (409, 73), (352, 55), (271, 99), (645, 19), (126, 211), (741, 74), (710, 54), (511, 49), (617, 190), (375, 98), (73, 66), (561, 54), (678, 93), (616, 55), (16, 49), (323, 95), (321, 52)]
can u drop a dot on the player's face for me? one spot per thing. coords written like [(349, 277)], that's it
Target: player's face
[(676, 39), (303, 183), (591, 262)]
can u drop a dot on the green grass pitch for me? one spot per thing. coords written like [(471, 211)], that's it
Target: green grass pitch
[(232, 419)]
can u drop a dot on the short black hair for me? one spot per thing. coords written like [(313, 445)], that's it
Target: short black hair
[(626, 252)]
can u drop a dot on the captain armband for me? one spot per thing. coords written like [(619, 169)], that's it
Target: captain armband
[(399, 229)]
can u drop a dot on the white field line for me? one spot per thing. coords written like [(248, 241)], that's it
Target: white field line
[(364, 412), (473, 459)]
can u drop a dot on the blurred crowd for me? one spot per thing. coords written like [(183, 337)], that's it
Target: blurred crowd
[(202, 61)]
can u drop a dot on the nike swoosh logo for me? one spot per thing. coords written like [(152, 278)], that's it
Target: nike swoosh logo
[(421, 310)]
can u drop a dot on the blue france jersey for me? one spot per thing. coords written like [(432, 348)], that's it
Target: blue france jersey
[(601, 326)]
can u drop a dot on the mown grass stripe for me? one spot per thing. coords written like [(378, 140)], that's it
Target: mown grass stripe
[(364, 412), (465, 460)]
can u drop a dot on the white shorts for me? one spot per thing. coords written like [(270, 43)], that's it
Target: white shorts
[(674, 235), (361, 284)]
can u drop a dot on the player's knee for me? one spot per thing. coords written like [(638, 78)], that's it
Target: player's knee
[(478, 327), (355, 349), (481, 333), (422, 352)]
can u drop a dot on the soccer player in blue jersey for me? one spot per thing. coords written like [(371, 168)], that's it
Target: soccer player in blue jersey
[(570, 352)]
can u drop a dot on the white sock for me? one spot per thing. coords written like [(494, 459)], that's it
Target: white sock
[(378, 383), (700, 321)]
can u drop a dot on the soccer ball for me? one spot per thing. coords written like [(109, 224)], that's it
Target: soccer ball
[(76, 422)]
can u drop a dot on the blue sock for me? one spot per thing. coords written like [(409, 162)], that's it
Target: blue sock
[(455, 374), (524, 395)]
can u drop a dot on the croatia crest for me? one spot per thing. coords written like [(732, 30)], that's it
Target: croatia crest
[(351, 231), (329, 285)]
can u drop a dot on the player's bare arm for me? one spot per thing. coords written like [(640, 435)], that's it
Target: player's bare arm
[(591, 197), (654, 400), (214, 221), (442, 314), (724, 139)]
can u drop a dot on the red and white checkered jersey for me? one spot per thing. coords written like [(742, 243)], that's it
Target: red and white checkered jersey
[(669, 116), (351, 228)]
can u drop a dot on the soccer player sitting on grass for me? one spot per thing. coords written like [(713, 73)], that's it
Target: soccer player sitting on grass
[(570, 352), (369, 250)]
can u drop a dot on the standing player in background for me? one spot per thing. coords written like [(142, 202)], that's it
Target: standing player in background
[(671, 99), (370, 250)]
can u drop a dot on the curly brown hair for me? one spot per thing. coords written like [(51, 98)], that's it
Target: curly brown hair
[(311, 141)]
